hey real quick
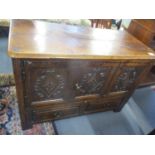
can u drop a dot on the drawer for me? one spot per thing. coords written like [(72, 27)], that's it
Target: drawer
[(54, 104), (100, 105), (84, 107), (45, 115), (58, 110), (77, 102)]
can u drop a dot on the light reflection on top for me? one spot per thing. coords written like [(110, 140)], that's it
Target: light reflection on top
[(40, 43)]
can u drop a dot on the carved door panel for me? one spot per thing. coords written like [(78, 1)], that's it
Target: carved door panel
[(46, 81), (90, 77), (126, 77)]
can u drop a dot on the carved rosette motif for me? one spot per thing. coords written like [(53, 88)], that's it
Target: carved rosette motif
[(91, 82), (49, 84), (126, 78)]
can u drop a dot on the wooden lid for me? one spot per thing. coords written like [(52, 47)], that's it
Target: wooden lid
[(38, 39)]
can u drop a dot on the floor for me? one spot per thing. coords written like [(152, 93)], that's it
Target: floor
[(137, 116), (5, 61)]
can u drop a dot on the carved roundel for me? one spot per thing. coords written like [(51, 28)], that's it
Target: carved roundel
[(49, 84)]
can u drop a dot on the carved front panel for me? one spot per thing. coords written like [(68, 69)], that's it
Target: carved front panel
[(45, 80), (126, 78), (91, 77), (91, 82), (49, 84)]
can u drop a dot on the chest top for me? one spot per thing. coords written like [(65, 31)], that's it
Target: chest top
[(38, 39)]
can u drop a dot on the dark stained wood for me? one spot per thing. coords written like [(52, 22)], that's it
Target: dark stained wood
[(46, 92), (51, 87), (24, 109)]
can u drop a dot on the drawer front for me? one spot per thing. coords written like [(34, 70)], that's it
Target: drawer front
[(82, 107), (77, 102), (54, 105), (40, 116), (101, 105)]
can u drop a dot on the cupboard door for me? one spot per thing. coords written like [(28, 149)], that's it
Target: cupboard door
[(91, 77), (127, 76)]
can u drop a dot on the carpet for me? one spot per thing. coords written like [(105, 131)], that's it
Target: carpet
[(10, 123)]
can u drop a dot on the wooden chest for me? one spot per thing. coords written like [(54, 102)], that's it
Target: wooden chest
[(63, 71)]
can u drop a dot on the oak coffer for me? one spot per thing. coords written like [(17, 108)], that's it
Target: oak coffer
[(62, 71)]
